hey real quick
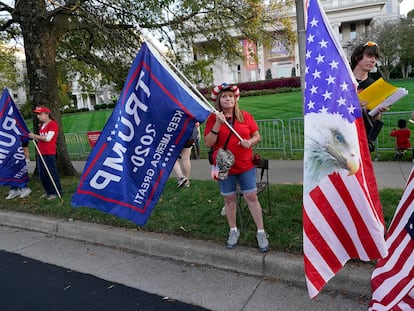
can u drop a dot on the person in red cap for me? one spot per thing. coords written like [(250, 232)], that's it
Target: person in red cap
[(46, 142), (240, 167)]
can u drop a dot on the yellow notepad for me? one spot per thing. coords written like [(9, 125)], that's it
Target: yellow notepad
[(381, 94)]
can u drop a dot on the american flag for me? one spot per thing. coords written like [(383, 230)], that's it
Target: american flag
[(342, 214), (393, 278)]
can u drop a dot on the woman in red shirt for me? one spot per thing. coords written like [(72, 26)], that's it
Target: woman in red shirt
[(243, 171)]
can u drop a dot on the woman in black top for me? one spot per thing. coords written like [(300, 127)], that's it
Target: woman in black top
[(363, 60)]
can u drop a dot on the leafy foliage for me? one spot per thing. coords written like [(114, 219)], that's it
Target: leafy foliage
[(100, 38), (8, 72)]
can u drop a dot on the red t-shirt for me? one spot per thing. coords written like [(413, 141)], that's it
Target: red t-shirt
[(243, 157), (402, 138), (48, 147)]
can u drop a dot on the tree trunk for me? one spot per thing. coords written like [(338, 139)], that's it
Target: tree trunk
[(40, 41)]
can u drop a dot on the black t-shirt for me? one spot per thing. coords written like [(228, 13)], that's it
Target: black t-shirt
[(368, 120), (365, 83)]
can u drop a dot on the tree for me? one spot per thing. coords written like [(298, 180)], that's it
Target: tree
[(8, 72), (388, 42), (406, 43), (105, 35)]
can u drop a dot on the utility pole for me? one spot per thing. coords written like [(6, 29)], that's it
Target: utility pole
[(300, 22)]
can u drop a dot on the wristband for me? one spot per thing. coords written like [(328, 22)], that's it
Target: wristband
[(214, 132)]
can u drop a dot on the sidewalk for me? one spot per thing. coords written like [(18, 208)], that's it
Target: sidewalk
[(353, 279), (390, 174)]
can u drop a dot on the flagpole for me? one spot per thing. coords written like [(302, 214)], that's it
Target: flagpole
[(301, 30), (188, 82), (47, 169)]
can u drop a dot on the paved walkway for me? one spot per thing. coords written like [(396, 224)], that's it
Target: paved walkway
[(390, 174)]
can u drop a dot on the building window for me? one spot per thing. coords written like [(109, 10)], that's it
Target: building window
[(352, 34), (238, 73)]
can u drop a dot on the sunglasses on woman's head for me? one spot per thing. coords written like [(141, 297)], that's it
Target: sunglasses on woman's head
[(370, 43)]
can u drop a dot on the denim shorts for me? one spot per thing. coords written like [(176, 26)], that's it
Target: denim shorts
[(246, 181)]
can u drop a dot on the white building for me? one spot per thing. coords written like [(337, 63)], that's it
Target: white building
[(348, 18), (100, 94)]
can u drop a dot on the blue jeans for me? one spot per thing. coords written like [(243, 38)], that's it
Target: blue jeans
[(47, 183), (246, 181)]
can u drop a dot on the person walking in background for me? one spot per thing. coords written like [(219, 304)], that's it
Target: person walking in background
[(182, 167), (363, 60), (46, 142), (402, 139), (23, 191), (243, 171)]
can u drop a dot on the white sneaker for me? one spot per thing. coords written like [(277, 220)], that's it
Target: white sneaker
[(52, 197), (25, 192), (233, 238), (13, 193), (262, 242)]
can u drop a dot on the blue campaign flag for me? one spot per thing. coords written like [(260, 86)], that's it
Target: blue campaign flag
[(13, 131), (136, 151)]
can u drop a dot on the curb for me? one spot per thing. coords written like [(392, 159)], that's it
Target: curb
[(353, 279)]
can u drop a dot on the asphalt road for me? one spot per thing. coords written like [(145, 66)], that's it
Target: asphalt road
[(63, 274), (30, 285)]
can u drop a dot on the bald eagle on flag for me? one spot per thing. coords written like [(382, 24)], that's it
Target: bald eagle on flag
[(342, 214)]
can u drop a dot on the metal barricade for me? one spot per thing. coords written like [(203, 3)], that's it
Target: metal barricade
[(275, 137), (296, 135), (272, 134), (73, 145)]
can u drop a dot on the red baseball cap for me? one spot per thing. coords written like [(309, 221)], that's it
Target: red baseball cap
[(41, 109)]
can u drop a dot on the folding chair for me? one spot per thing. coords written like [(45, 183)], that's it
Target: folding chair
[(262, 184)]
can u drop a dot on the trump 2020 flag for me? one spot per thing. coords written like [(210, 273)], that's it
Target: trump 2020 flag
[(135, 153), (13, 131), (342, 215), (392, 280)]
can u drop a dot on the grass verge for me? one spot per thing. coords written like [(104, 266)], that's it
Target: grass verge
[(193, 212)]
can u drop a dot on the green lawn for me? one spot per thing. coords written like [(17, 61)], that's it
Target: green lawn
[(194, 212), (282, 106), (85, 121)]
